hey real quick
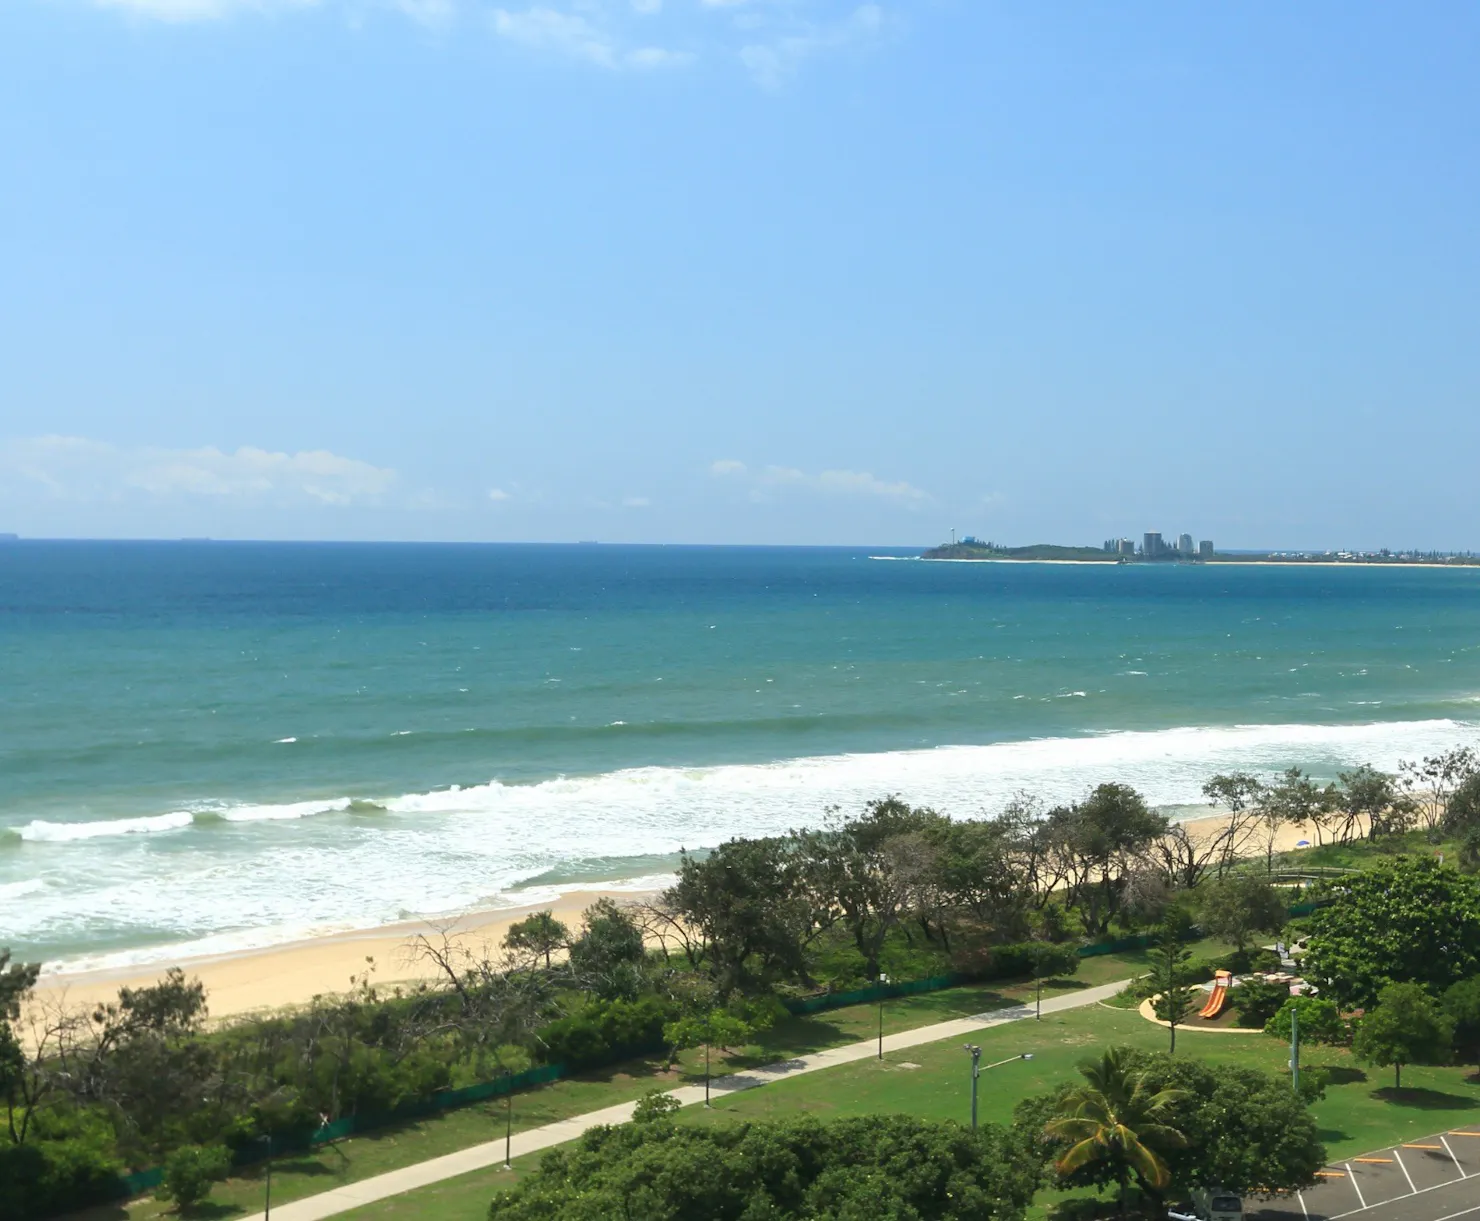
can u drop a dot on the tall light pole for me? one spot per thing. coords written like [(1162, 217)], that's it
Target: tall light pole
[(508, 1119), (267, 1198), (977, 1068), (883, 983)]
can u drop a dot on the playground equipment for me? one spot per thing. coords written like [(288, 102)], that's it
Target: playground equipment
[(1222, 980)]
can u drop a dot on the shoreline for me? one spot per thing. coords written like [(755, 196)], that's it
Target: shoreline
[(1115, 563), (283, 976), (290, 974)]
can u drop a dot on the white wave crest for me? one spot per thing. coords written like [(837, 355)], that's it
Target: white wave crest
[(281, 813), (14, 890), (40, 831)]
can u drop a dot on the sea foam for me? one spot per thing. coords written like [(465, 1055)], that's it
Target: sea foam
[(443, 851)]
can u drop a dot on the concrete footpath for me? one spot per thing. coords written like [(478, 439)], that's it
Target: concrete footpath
[(532, 1140)]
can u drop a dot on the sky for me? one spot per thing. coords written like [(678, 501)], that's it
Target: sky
[(740, 271)]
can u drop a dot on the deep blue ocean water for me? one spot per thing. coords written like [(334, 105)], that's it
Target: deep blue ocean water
[(206, 745)]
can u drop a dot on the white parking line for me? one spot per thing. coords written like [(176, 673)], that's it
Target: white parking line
[(1412, 1186), (1420, 1192), (1300, 1195), (1445, 1142), (1352, 1175), (1462, 1213)]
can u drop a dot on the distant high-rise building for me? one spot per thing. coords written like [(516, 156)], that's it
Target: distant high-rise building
[(1184, 544), (1205, 548), (1151, 544), (1125, 546)]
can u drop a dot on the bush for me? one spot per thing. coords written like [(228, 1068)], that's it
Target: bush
[(1320, 1020), (189, 1172), (604, 1032), (47, 1177), (1258, 1001)]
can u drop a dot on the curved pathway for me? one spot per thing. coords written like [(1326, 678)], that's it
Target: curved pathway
[(533, 1140)]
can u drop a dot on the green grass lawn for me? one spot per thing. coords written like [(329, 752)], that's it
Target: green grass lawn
[(1360, 1111), (402, 1145)]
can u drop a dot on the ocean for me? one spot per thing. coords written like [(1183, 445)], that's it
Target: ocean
[(213, 746)]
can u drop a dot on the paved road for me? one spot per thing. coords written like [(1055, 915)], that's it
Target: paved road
[(480, 1157), (1434, 1178)]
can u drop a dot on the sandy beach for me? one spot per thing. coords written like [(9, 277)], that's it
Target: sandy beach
[(294, 973)]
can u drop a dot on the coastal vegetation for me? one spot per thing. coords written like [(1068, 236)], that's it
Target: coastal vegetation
[(759, 927)]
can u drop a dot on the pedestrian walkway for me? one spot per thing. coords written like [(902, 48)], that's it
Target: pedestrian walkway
[(533, 1140)]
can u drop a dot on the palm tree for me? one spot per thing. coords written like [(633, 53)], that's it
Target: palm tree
[(1117, 1119)]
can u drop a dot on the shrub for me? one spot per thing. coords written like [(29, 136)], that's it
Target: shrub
[(1257, 1001), (189, 1172), (604, 1032), (1320, 1020), (45, 1177)]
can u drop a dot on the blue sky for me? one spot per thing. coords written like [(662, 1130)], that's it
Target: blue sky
[(742, 271)]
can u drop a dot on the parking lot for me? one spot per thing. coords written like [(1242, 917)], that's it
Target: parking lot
[(1433, 1178)]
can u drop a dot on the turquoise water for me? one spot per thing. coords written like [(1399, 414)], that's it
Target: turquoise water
[(204, 746)]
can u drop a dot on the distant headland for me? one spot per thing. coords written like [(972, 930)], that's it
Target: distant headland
[(1154, 549)]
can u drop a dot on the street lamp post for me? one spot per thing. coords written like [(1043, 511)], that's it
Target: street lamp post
[(977, 1068), (267, 1198), (883, 983), (508, 1120)]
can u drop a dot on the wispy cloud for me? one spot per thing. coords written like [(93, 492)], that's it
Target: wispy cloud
[(767, 483), (774, 61), (769, 39), (79, 469)]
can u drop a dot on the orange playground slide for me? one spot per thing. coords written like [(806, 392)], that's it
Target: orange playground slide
[(1219, 996)]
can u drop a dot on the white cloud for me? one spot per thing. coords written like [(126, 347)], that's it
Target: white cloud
[(636, 502), (647, 7), (200, 10), (774, 62), (75, 468), (766, 483), (576, 36), (498, 495)]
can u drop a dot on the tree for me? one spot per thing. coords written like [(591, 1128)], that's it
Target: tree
[(1293, 800), (1257, 1001), (876, 1166), (747, 902), (1118, 1122), (1462, 1004), (1436, 780), (190, 1171), (1369, 794), (712, 1028), (16, 982), (1049, 961), (607, 956), (1408, 920), (1173, 999), (1320, 1020), (540, 934), (1462, 809), (1101, 836), (1239, 793), (1239, 905), (1407, 1027)]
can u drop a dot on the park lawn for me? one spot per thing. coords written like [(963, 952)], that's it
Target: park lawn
[(390, 1148), (405, 1144), (1361, 1110)]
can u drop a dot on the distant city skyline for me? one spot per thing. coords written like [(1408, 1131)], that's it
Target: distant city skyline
[(814, 272)]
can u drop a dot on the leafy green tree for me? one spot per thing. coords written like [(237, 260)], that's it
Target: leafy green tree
[(1101, 835), (1242, 795), (1369, 794), (1462, 806), (1407, 1027), (1292, 800), (885, 1167), (1238, 906), (540, 934), (1258, 1000), (747, 900), (1320, 1020), (607, 957), (17, 979), (714, 1028), (190, 1171), (1462, 1004), (1410, 920), (1118, 1122), (656, 1106), (1173, 998)]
